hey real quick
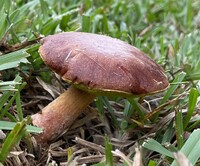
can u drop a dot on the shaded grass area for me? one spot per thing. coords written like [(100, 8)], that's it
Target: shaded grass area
[(144, 131)]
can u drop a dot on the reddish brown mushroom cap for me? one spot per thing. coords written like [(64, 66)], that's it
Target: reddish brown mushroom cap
[(101, 63), (94, 63)]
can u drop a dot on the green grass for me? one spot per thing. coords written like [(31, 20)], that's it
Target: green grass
[(167, 31)]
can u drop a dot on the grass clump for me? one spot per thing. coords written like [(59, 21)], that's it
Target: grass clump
[(158, 126)]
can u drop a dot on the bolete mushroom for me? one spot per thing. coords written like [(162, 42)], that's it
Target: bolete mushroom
[(94, 65)]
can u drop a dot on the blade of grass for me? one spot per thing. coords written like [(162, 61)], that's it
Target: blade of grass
[(12, 139), (5, 125), (136, 107), (69, 154), (2, 2), (18, 104), (152, 163), (99, 104), (105, 25), (152, 144), (8, 105), (7, 88), (108, 152), (86, 23), (8, 83), (168, 135), (10, 117), (44, 9), (189, 15), (111, 111), (191, 148), (50, 26), (3, 24), (179, 128), (174, 85), (193, 125), (193, 96), (4, 98), (13, 59), (128, 111)]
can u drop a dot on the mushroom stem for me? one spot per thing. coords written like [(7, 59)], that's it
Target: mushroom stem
[(61, 113)]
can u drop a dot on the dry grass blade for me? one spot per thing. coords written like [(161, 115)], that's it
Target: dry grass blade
[(181, 159), (162, 122), (90, 159), (90, 145), (137, 161), (48, 88), (2, 135), (123, 157), (158, 109)]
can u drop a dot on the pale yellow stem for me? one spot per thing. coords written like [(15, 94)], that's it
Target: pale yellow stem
[(61, 113)]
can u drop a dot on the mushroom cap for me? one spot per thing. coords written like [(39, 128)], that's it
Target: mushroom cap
[(98, 63)]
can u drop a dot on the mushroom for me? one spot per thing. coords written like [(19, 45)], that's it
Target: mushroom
[(94, 65)]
